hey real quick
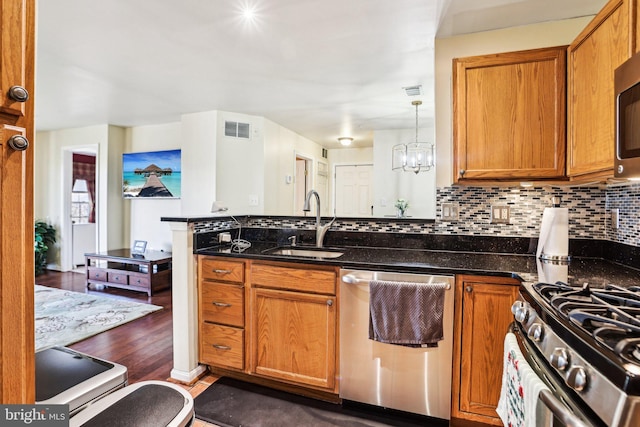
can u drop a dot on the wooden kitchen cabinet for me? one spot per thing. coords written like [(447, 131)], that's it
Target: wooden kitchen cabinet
[(221, 313), (481, 319), (17, 67), (608, 40), (509, 115), (294, 324)]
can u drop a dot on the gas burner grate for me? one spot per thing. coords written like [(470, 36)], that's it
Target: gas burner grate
[(621, 341), (611, 314)]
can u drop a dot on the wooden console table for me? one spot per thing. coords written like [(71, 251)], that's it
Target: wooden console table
[(119, 268)]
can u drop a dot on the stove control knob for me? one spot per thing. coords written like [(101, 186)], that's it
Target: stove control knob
[(520, 311), (560, 358), (523, 315), (577, 378), (517, 306), (535, 332)]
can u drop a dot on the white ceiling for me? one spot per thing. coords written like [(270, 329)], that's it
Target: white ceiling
[(322, 68)]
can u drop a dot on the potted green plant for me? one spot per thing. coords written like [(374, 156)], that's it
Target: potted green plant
[(401, 205), (45, 235)]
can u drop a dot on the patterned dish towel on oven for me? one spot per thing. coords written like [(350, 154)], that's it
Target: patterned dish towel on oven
[(520, 387)]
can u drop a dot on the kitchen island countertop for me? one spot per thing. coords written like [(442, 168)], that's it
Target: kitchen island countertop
[(595, 271)]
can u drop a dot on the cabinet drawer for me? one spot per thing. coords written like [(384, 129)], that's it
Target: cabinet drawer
[(221, 270), (139, 281), (119, 278), (295, 279), (97, 274), (222, 346), (222, 304)]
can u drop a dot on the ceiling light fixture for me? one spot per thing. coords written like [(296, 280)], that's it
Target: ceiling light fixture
[(345, 140), (248, 12), (415, 156)]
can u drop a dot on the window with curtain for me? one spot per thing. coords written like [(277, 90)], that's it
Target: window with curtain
[(80, 202)]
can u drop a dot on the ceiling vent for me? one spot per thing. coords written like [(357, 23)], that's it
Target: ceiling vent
[(413, 90), (237, 129)]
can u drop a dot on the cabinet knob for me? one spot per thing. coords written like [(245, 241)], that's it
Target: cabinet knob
[(18, 93), (329, 302), (18, 142), (221, 304), (222, 271), (469, 289), (462, 171)]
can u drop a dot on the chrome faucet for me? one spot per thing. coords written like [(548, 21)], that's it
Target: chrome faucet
[(321, 230)]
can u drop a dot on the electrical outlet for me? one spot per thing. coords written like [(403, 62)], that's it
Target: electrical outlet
[(253, 200), (450, 211), (500, 214), (224, 237)]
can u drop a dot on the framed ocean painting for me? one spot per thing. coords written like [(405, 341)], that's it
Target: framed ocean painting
[(152, 174)]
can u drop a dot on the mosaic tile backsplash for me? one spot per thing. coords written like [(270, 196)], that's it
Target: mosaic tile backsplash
[(589, 214)]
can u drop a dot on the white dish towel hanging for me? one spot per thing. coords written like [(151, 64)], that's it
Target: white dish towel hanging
[(520, 387)]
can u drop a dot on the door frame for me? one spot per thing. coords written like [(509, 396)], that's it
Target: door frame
[(309, 161)]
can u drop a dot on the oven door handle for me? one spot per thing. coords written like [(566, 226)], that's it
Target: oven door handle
[(559, 410)]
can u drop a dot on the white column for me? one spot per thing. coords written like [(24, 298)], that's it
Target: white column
[(185, 305)]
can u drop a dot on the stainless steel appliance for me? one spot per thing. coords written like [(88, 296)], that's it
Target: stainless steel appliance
[(416, 380), (627, 89), (584, 343)]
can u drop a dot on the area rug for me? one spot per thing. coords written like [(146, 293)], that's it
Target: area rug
[(232, 403), (65, 317)]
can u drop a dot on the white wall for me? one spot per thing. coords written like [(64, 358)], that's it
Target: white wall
[(279, 145), (198, 143), (389, 185), (145, 213), (116, 227), (240, 166), (547, 34)]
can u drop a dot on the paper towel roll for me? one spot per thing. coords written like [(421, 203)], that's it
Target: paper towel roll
[(554, 234)]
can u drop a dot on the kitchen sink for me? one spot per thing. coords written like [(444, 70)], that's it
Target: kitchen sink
[(306, 252)]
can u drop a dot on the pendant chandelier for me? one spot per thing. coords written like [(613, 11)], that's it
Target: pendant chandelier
[(414, 156)]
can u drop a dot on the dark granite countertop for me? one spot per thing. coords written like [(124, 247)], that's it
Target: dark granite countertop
[(596, 271)]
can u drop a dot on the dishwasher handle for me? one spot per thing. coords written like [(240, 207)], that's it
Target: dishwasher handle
[(353, 280)]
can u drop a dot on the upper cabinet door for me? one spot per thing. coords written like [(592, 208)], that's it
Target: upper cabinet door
[(601, 47), (15, 41), (509, 115)]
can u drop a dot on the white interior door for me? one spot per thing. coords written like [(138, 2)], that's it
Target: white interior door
[(354, 191)]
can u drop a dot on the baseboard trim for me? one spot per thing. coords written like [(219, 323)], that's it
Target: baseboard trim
[(188, 377)]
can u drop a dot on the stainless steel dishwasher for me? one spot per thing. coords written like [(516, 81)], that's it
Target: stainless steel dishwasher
[(416, 380)]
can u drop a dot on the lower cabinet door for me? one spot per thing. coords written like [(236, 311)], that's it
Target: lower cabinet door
[(222, 346), (294, 336), (483, 315)]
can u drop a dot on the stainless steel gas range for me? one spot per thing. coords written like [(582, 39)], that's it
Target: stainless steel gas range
[(584, 343)]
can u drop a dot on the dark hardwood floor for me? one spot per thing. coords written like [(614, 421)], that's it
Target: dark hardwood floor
[(144, 346)]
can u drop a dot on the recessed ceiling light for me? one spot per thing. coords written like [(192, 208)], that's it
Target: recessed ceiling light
[(345, 140)]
